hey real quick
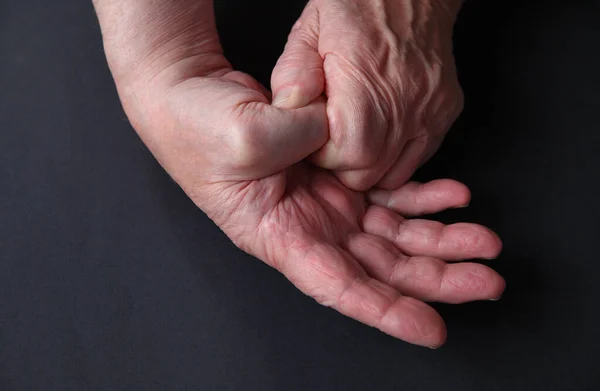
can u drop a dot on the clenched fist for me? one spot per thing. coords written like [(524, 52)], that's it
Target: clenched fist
[(242, 161), (387, 70)]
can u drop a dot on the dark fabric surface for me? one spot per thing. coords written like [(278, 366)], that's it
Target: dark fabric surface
[(110, 278)]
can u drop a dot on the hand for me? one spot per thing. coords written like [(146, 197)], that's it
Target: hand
[(387, 70), (240, 160)]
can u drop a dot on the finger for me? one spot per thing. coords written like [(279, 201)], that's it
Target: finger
[(358, 124), (335, 280), (298, 76), (357, 127), (425, 278), (405, 165), (358, 108), (363, 179), (413, 199), (432, 239), (274, 139)]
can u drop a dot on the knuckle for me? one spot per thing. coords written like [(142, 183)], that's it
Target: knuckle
[(454, 103), (359, 137), (297, 26), (245, 142)]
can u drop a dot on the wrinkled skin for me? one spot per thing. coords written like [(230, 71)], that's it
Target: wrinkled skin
[(387, 69), (242, 161)]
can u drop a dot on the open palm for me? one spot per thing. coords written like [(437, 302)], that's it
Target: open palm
[(363, 259)]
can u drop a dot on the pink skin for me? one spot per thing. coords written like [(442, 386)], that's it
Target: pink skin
[(387, 70), (243, 162)]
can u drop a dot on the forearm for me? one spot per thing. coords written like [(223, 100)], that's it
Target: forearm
[(153, 35)]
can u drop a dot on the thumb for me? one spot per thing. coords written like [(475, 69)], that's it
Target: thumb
[(271, 139), (298, 78)]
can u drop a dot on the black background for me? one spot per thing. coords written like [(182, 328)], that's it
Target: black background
[(110, 278)]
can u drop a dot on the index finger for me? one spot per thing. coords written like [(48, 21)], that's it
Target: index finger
[(335, 279)]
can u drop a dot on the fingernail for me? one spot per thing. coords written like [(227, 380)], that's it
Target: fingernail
[(463, 206), (286, 97), (496, 299), (379, 197)]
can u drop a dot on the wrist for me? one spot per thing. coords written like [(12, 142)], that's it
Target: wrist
[(144, 39)]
